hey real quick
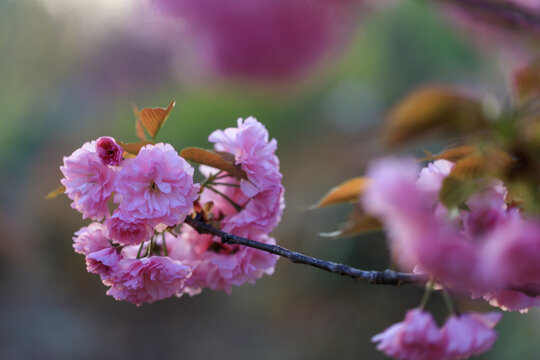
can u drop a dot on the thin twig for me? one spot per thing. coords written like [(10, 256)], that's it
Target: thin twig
[(503, 13), (386, 277)]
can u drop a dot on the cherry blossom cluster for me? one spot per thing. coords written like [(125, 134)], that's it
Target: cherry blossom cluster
[(141, 250), (485, 248)]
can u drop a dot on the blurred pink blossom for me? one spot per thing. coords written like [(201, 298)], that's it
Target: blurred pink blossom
[(156, 186), (484, 249), (265, 39), (88, 182), (470, 334), (510, 300), (417, 337)]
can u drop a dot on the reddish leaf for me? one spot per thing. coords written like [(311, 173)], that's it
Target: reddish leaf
[(219, 160), (133, 148), (154, 118), (433, 108), (139, 131), (527, 79)]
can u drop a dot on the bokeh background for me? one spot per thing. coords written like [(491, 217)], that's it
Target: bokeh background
[(69, 72)]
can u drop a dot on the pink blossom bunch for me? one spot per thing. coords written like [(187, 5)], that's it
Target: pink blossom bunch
[(418, 337), (153, 190), (486, 248), (131, 250), (260, 197)]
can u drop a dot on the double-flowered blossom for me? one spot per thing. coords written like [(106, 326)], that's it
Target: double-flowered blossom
[(156, 186), (147, 279), (89, 182), (127, 231), (418, 337), (92, 242), (220, 266), (488, 248)]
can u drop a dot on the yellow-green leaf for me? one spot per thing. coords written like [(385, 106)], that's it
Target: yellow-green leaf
[(433, 108), (348, 191), (54, 193), (154, 118), (452, 154), (133, 148), (455, 192), (219, 160)]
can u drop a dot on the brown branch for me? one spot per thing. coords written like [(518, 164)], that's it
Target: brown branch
[(502, 13), (386, 277)]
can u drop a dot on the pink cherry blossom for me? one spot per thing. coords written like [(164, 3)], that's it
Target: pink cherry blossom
[(219, 266), (470, 334), (100, 256), (125, 231), (109, 151), (417, 337), (157, 186), (103, 262), (90, 238), (148, 279), (88, 181), (262, 193)]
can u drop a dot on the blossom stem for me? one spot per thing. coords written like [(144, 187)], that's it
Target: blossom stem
[(427, 293), (448, 301), (150, 247), (226, 184), (164, 244), (140, 250), (237, 207), (386, 277)]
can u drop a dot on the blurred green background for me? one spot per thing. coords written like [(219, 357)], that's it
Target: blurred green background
[(60, 88)]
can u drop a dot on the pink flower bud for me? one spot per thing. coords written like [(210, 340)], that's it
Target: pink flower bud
[(109, 151)]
